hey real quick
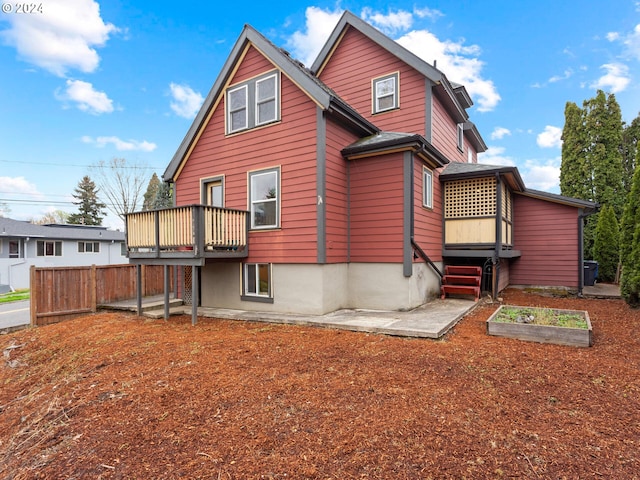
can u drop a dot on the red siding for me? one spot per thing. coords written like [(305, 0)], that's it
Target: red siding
[(547, 235), (427, 222), (355, 63), (336, 194), (444, 134), (376, 198), (290, 144)]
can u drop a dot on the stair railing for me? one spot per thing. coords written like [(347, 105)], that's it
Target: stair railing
[(421, 253)]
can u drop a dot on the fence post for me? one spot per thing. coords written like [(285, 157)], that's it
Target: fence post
[(93, 289), (33, 294)]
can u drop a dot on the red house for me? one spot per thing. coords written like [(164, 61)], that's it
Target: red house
[(352, 184)]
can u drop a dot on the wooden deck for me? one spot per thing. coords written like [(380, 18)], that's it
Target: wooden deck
[(186, 235)]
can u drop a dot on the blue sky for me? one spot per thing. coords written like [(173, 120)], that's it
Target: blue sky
[(84, 81)]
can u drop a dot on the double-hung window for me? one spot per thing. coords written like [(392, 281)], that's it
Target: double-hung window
[(264, 198), (427, 188), (266, 108), (385, 93), (253, 103), (237, 108)]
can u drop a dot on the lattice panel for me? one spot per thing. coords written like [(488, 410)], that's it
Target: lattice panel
[(186, 293), (475, 197)]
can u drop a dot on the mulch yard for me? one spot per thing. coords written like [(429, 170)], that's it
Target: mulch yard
[(113, 396)]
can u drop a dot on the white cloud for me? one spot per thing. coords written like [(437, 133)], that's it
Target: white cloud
[(499, 133), (551, 137), (186, 102), (459, 62), (86, 97), (121, 145), (615, 80), (63, 37), (319, 25), (542, 176), (18, 185), (631, 42), (565, 76), (427, 12), (495, 156), (391, 23)]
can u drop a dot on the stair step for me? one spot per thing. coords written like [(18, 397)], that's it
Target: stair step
[(461, 280), (462, 270), (460, 290)]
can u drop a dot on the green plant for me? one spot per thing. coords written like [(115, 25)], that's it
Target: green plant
[(541, 316), (14, 296)]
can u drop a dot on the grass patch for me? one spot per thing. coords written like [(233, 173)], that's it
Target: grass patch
[(15, 296), (541, 316)]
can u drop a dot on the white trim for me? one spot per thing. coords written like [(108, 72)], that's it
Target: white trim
[(395, 95), (230, 112), (427, 188)]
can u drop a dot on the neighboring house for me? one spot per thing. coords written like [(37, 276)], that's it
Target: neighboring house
[(23, 244), (351, 184)]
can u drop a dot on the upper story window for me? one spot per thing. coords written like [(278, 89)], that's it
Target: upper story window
[(385, 93), (460, 133), (47, 248), (253, 103), (427, 188), (264, 198)]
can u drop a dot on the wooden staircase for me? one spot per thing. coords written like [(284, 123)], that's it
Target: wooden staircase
[(461, 280)]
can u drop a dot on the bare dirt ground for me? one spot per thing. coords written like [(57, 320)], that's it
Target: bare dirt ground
[(113, 396)]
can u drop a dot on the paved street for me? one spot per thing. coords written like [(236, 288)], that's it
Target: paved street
[(14, 314)]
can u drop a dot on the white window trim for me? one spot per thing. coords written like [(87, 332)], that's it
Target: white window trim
[(83, 249), (396, 92), (231, 112), (274, 99), (44, 248), (256, 296), (277, 199), (251, 102), (460, 136), (427, 188)]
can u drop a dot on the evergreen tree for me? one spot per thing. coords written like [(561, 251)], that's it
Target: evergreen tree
[(158, 195), (630, 219), (630, 139), (573, 171), (591, 166), (90, 208), (630, 243), (606, 248)]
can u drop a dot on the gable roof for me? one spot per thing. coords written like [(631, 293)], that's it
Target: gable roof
[(17, 228), (321, 94), (455, 97)]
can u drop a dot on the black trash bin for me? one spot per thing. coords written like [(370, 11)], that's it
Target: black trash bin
[(590, 272)]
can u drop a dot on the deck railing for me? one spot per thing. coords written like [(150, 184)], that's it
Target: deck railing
[(193, 230)]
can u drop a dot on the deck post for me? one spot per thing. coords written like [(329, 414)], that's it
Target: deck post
[(139, 289), (166, 291), (194, 294)]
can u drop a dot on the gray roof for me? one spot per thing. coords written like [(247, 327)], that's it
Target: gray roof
[(326, 98), (17, 228), (382, 141)]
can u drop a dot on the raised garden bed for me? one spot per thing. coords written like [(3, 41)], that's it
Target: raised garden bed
[(545, 325)]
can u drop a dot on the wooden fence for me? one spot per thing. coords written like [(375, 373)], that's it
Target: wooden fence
[(60, 293)]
